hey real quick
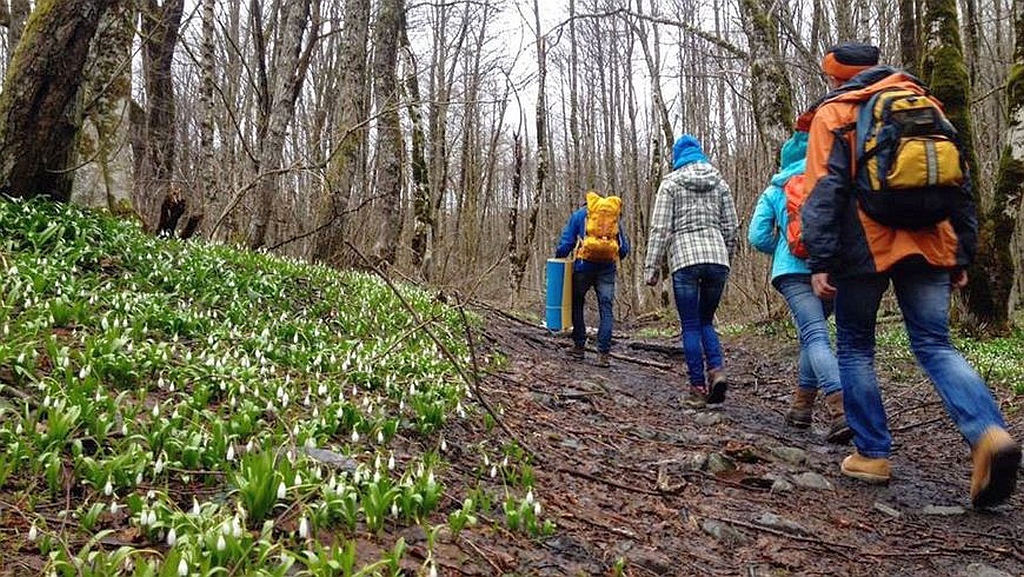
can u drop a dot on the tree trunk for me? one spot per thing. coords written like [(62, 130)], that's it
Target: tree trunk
[(910, 53), (771, 93), (350, 155), (17, 17), (153, 188), (37, 136), (946, 71), (519, 263), (104, 173), (389, 130), (288, 67), (990, 300), (207, 86), (422, 207)]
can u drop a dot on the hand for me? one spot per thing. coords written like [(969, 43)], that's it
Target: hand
[(958, 278), (821, 285)]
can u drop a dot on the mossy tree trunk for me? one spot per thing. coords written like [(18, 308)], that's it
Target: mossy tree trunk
[(104, 164), (1001, 219), (771, 93), (349, 159), (37, 106), (945, 69)]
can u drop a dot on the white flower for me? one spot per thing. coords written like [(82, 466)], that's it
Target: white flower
[(355, 436), (182, 568), (195, 506), (494, 471), (529, 497), (391, 462), (156, 411), (282, 491), (231, 453), (433, 570), (303, 528), (172, 537), (114, 507), (536, 509), (221, 543), (108, 489), (33, 533)]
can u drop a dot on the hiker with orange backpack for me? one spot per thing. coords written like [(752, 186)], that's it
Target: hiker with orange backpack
[(694, 223), (774, 230), (596, 238), (891, 203)]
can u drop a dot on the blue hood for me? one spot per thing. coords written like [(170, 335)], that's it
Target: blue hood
[(685, 151), (792, 159)]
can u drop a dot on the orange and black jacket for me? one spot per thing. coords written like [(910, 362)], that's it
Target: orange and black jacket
[(840, 238)]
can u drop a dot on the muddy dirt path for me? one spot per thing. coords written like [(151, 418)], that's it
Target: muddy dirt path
[(639, 485)]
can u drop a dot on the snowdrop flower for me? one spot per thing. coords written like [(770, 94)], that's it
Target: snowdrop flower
[(236, 527), (19, 430), (156, 411), (355, 436), (195, 507), (391, 462), (380, 437), (33, 533), (138, 478), (108, 489), (172, 537), (433, 570), (158, 467), (304, 528), (231, 453), (394, 509), (221, 543), (182, 568), (114, 507), (494, 471), (282, 491), (536, 509), (529, 497), (249, 446)]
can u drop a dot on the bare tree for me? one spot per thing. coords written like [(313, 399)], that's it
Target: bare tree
[(288, 71), (389, 131), (37, 133), (158, 202), (349, 157)]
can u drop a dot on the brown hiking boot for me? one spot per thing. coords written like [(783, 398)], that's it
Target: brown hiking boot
[(603, 360), (718, 384), (800, 411), (577, 352), (866, 468), (996, 459), (697, 398), (838, 431)]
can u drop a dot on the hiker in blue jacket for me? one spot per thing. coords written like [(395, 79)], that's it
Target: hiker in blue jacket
[(818, 368), (586, 275)]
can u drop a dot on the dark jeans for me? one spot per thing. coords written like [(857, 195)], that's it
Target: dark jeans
[(603, 282), (698, 290), (923, 297)]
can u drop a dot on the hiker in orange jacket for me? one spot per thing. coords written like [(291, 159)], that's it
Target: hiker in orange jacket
[(853, 258)]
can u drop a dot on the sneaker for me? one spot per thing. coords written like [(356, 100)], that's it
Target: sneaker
[(603, 360), (696, 399), (718, 385), (866, 468), (577, 352), (996, 459)]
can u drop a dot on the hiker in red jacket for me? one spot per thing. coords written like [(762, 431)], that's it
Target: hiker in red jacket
[(854, 258)]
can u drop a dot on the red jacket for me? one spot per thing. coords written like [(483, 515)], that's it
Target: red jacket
[(840, 238)]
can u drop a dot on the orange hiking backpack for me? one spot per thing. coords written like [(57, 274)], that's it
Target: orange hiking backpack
[(601, 242), (796, 194)]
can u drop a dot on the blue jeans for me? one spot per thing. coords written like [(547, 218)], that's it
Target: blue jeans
[(923, 297), (603, 282), (818, 365), (698, 290)]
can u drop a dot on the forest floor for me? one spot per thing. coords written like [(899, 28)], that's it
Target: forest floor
[(637, 484)]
